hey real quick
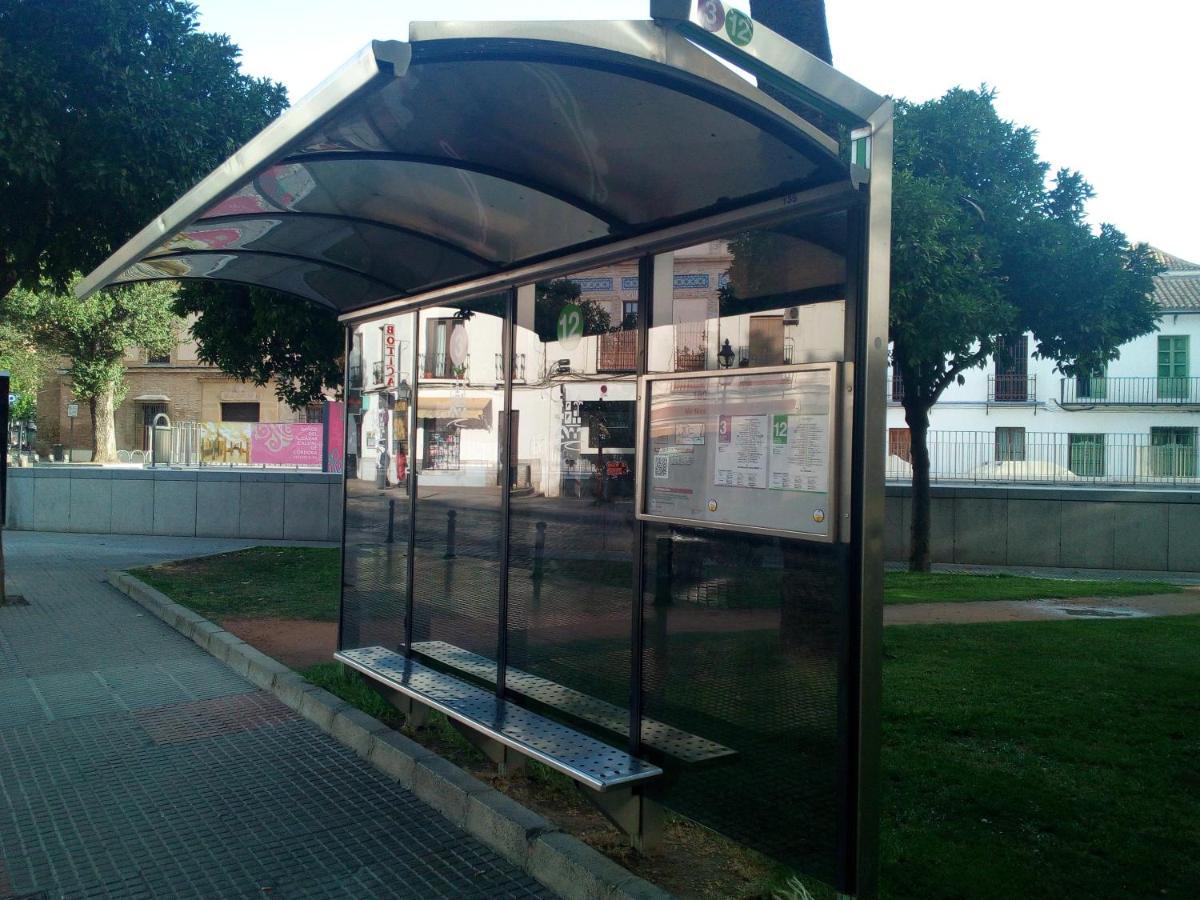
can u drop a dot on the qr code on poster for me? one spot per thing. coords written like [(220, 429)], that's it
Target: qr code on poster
[(662, 465)]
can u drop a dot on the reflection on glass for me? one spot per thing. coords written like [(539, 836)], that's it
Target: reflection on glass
[(571, 510), (743, 634), (460, 418), (769, 297), (378, 392)]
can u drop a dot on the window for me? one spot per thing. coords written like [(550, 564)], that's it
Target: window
[(1086, 455), (314, 413), (1172, 366), (897, 387), (1010, 444), (239, 412), (1012, 369), (436, 361), (900, 443), (159, 359), (1092, 385), (1173, 452)]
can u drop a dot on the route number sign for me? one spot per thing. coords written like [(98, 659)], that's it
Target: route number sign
[(570, 326)]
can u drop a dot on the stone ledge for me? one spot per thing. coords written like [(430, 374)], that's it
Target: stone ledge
[(562, 863)]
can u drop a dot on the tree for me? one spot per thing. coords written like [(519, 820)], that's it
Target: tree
[(983, 248), (26, 367), (95, 335), (258, 335), (549, 299), (110, 110)]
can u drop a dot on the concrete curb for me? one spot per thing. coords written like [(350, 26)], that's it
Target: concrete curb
[(559, 861)]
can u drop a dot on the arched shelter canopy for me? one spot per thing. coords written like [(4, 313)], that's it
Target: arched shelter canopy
[(474, 149)]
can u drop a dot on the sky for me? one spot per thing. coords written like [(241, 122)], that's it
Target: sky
[(1110, 88)]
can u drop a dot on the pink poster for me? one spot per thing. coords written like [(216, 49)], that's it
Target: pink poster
[(285, 445), (335, 436)]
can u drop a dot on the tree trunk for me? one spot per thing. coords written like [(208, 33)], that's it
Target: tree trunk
[(104, 431), (917, 417)]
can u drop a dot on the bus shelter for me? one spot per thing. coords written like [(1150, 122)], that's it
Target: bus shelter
[(616, 325)]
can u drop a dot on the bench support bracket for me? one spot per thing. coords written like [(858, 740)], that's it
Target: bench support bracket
[(641, 819), (506, 760)]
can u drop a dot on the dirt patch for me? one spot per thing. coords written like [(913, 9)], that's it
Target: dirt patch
[(297, 643), (1185, 604)]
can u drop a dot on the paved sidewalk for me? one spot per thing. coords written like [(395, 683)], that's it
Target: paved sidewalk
[(133, 764)]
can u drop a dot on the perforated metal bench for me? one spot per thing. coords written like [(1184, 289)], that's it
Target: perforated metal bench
[(509, 734), (670, 741)]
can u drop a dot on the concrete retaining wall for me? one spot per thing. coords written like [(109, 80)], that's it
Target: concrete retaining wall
[(1072, 528), (301, 506)]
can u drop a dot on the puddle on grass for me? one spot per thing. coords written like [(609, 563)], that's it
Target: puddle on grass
[(1101, 612)]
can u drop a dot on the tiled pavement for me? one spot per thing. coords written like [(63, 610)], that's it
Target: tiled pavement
[(133, 764)]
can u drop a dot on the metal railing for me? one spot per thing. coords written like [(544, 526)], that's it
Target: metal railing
[(440, 366), (355, 375), (377, 372), (1129, 391), (1012, 388), (1014, 456), (518, 367), (618, 352)]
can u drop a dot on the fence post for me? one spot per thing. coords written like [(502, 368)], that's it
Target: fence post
[(391, 533), (451, 527)]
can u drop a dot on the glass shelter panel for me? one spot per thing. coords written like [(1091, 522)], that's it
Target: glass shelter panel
[(379, 381), (460, 413), (745, 632), (572, 525)]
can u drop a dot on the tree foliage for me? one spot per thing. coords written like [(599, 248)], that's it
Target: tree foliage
[(549, 299), (985, 246), (95, 335), (258, 335), (110, 110)]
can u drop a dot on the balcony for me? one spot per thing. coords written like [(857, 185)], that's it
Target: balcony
[(439, 367), (355, 375), (1012, 389), (618, 352), (1085, 391), (377, 373), (518, 367)]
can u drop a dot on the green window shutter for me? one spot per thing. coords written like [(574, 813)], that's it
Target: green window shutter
[(1173, 366), (1087, 455)]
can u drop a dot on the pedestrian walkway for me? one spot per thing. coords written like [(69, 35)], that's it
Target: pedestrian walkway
[(1055, 572), (133, 764)]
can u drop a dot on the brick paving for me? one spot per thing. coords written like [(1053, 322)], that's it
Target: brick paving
[(133, 764)]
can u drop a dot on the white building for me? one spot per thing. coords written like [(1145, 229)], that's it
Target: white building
[(1017, 419)]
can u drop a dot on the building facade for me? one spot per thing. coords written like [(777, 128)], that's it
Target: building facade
[(176, 384), (1017, 419)]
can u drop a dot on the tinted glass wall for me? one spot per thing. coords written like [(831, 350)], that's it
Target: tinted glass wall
[(742, 633), (572, 525), (460, 425), (717, 653), (379, 381)]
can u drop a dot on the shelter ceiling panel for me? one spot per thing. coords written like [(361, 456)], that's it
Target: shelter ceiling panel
[(400, 258), (321, 284), (489, 217), (632, 150)]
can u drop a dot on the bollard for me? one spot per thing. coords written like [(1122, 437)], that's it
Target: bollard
[(391, 521), (539, 549), (662, 572), (451, 516)]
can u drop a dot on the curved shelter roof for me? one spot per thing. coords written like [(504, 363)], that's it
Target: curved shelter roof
[(474, 149)]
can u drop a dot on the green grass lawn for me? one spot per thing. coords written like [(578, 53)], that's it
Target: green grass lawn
[(287, 582), (1057, 759), (953, 587)]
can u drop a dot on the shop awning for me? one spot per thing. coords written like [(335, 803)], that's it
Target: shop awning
[(476, 148), (475, 408)]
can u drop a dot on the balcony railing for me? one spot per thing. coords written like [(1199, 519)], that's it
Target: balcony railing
[(1012, 388), (1129, 391), (1014, 456), (618, 352), (355, 375), (377, 372), (518, 367), (440, 366)]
